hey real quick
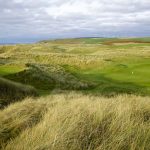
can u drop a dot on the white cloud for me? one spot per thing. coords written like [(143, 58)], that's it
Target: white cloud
[(61, 18)]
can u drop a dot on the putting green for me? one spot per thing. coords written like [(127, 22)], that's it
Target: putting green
[(137, 73), (125, 75)]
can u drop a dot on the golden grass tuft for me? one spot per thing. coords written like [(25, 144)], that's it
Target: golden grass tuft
[(18, 117), (81, 122)]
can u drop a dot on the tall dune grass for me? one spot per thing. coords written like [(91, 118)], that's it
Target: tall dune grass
[(12, 91), (79, 122), (18, 117)]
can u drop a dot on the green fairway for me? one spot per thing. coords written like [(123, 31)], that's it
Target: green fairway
[(129, 76), (137, 73)]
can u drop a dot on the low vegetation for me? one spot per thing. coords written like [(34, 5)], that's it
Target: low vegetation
[(75, 94), (11, 91), (77, 122), (19, 117)]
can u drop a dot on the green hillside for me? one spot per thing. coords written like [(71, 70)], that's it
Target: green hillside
[(75, 94)]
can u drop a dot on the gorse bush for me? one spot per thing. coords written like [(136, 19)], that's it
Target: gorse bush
[(79, 122)]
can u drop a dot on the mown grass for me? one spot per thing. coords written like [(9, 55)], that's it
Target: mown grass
[(134, 71), (79, 122), (10, 69), (116, 77)]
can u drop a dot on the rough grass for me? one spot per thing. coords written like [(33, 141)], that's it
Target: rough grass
[(114, 65), (79, 122), (105, 66), (11, 91), (18, 117), (35, 77), (46, 78)]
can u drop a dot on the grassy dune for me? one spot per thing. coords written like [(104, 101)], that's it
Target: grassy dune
[(11, 91), (77, 122), (89, 64), (93, 94)]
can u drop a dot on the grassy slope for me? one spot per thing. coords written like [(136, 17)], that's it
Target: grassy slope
[(46, 78), (118, 76), (77, 122), (11, 92), (18, 117), (96, 40), (34, 77), (114, 69)]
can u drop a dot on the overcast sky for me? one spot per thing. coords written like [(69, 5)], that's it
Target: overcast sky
[(32, 20)]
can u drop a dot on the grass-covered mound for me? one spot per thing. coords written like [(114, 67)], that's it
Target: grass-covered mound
[(46, 78), (35, 77), (11, 91), (105, 66), (77, 122)]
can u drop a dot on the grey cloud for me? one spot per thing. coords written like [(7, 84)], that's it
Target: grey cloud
[(38, 19)]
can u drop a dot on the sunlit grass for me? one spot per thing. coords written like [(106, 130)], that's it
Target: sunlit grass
[(78, 122), (10, 69), (108, 113)]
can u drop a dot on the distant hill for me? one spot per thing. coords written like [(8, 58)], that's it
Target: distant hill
[(96, 40)]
